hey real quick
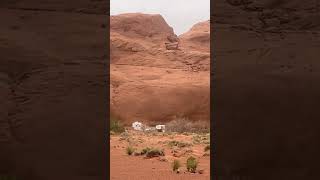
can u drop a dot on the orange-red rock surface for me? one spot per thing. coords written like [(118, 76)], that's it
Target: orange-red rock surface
[(151, 78)]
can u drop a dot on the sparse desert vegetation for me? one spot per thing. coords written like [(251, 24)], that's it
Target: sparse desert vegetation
[(116, 126), (176, 165), (201, 138), (130, 150), (166, 152), (185, 125), (154, 152), (179, 144), (192, 164), (145, 150)]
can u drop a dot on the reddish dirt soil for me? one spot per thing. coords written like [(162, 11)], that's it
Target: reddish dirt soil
[(125, 167)]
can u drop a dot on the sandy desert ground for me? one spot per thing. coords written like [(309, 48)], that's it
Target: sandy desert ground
[(126, 167)]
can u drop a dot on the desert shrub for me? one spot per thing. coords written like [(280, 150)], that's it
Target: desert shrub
[(192, 164), (116, 126), (183, 125), (176, 165), (207, 148), (145, 150), (178, 144), (125, 134), (154, 153), (198, 139), (186, 133), (130, 150)]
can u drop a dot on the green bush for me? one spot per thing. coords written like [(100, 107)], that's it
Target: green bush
[(145, 150), (130, 150), (154, 153), (176, 165), (192, 164), (116, 126)]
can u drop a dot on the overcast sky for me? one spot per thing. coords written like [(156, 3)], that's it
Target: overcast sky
[(181, 15)]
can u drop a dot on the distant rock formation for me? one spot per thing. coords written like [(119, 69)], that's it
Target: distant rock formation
[(137, 25), (198, 37)]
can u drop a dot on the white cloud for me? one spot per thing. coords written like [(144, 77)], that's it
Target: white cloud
[(179, 14)]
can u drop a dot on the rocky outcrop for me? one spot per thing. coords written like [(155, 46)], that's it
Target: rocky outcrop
[(198, 37), (141, 26), (160, 82), (173, 38), (172, 46)]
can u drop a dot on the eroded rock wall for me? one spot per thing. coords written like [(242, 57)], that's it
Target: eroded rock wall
[(265, 86), (52, 82)]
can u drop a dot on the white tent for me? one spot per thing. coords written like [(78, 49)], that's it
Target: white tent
[(161, 128), (137, 126)]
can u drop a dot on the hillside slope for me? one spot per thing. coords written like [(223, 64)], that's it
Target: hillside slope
[(151, 78)]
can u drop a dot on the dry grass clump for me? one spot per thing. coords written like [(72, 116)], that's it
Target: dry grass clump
[(192, 164), (182, 125), (179, 144), (176, 165), (124, 136), (130, 150), (145, 150), (201, 139), (116, 126), (154, 153)]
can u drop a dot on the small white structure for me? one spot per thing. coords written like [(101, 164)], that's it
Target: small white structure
[(148, 129), (161, 128), (137, 126)]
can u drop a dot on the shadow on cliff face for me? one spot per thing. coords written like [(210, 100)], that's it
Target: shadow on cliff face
[(265, 88), (54, 89)]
